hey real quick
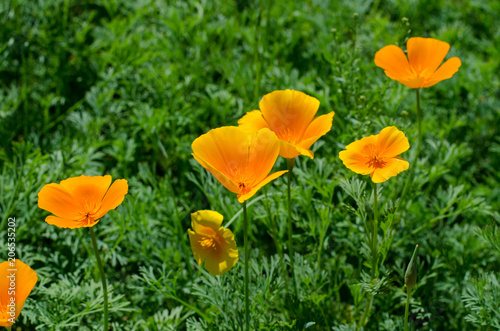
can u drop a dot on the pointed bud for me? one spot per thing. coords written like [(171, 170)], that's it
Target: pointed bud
[(411, 271)]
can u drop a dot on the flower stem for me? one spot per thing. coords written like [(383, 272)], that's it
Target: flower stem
[(9, 328), (290, 163), (247, 258), (407, 308), (103, 279), (413, 164), (374, 232)]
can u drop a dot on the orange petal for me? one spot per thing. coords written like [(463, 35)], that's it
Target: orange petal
[(393, 167), (288, 113), (88, 188), (318, 128), (355, 161), (114, 197), (203, 219), (68, 224), (392, 142), (393, 60), (225, 149), (243, 197), (426, 54), (446, 71), (57, 200), (25, 280), (413, 83), (222, 178), (252, 122), (290, 151), (264, 150)]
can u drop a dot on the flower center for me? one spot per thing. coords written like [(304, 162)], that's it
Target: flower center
[(376, 162), (208, 242)]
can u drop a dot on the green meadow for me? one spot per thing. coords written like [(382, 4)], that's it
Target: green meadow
[(123, 88)]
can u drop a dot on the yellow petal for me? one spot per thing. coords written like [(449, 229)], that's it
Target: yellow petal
[(426, 54), (393, 60), (355, 161), (114, 197), (57, 200), (446, 71), (225, 149), (393, 167), (392, 142), (252, 122), (318, 128), (288, 113), (206, 219), (264, 150), (243, 197)]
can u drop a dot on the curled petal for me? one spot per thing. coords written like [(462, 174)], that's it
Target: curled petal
[(114, 197), (203, 219)]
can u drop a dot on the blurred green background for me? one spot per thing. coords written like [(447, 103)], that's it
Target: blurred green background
[(123, 88)]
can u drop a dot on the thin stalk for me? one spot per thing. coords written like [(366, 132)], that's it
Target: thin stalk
[(290, 163), (103, 279), (407, 308), (374, 232), (247, 258), (413, 163), (9, 328)]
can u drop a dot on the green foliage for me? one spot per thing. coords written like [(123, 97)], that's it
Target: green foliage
[(124, 87)]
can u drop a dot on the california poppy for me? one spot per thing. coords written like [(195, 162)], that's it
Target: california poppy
[(17, 280), (81, 201), (289, 114), (377, 155), (422, 68), (240, 161), (211, 243)]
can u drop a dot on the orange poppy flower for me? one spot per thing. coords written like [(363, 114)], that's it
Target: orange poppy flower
[(211, 243), (81, 201), (289, 114), (377, 155), (17, 280), (240, 161), (422, 68)]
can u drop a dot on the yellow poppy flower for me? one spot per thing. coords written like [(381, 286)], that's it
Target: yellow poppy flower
[(289, 114), (377, 155), (240, 161), (211, 243), (422, 68), (17, 280), (81, 201)]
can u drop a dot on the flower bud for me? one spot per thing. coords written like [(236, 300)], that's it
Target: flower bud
[(411, 271)]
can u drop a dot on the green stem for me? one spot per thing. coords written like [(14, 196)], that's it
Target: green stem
[(103, 279), (407, 308), (247, 258), (9, 328), (374, 232), (413, 163), (290, 163)]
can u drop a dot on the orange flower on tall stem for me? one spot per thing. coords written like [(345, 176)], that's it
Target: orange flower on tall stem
[(211, 243), (81, 201), (377, 155), (17, 280), (240, 161), (289, 114), (422, 67)]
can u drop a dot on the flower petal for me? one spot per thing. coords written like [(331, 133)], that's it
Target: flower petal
[(89, 188), (25, 279), (446, 71), (206, 219), (288, 113), (68, 224), (393, 60), (355, 161), (264, 150), (318, 128), (113, 198), (393, 167), (243, 197), (252, 122), (222, 178), (392, 142), (413, 83), (57, 200), (426, 54), (225, 149)]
